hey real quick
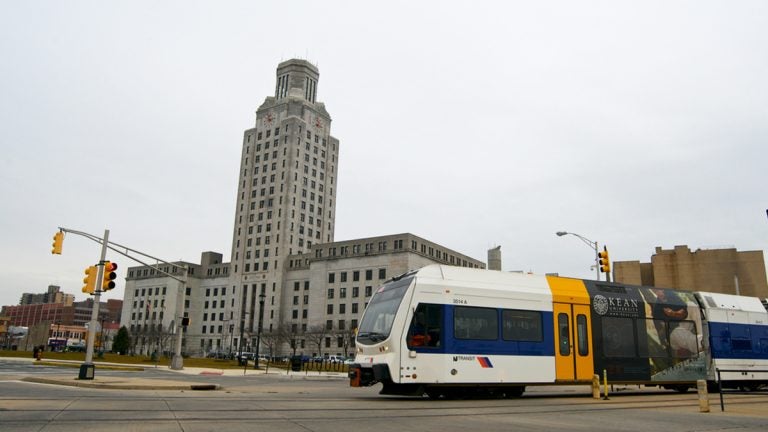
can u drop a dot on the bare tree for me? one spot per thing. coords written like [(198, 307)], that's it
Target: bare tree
[(348, 339), (273, 339), (316, 335)]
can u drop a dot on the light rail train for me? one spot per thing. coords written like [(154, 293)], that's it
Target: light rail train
[(449, 331)]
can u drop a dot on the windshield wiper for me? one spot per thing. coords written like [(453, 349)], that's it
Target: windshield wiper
[(375, 337)]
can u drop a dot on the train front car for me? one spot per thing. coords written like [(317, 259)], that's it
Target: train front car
[(377, 344), (450, 331)]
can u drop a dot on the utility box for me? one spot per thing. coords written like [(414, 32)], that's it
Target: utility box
[(86, 371)]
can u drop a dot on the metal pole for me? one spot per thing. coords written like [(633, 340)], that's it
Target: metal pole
[(720, 389), (597, 262), (87, 369), (258, 330), (96, 301), (177, 363)]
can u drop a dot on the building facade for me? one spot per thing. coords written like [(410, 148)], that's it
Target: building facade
[(320, 301), (286, 190), (54, 295), (726, 271), (155, 300), (286, 272)]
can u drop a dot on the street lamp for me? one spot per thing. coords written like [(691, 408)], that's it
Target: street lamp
[(589, 243), (258, 330)]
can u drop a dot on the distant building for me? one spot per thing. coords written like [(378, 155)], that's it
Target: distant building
[(77, 313), (54, 295), (716, 270), (84, 311), (33, 314)]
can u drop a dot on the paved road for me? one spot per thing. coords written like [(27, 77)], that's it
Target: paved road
[(279, 403)]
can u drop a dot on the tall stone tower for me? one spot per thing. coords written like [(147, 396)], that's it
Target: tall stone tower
[(286, 199)]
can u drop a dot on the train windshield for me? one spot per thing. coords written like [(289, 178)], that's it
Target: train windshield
[(380, 313)]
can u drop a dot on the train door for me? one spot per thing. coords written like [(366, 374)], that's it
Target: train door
[(573, 353)]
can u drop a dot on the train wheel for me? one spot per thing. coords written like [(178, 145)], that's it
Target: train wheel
[(514, 392), (432, 394)]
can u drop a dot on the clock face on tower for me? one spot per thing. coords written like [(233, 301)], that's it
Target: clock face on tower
[(318, 123), (268, 119)]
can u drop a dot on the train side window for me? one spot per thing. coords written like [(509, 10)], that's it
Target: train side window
[(656, 336), (426, 326), (618, 337), (520, 325), (565, 334), (741, 338), (475, 323), (582, 335), (684, 342)]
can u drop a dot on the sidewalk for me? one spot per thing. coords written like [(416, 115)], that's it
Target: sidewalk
[(185, 382)]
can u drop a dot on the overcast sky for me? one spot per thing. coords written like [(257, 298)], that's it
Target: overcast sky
[(470, 124)]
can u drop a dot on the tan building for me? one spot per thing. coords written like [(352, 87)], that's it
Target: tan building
[(725, 271), (54, 295)]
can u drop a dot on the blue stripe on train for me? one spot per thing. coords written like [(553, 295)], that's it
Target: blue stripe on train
[(738, 341), (449, 344)]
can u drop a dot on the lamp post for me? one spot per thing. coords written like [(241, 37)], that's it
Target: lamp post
[(231, 337), (258, 329), (589, 243), (58, 333), (177, 361)]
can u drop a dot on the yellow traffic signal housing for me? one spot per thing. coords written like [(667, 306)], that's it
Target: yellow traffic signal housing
[(108, 281), (58, 241), (605, 261), (90, 279)]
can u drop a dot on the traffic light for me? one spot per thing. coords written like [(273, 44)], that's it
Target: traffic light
[(605, 261), (108, 281), (90, 279), (58, 240)]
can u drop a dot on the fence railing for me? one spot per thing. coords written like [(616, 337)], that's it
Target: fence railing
[(720, 381)]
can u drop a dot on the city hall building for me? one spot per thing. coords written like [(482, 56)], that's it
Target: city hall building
[(286, 269)]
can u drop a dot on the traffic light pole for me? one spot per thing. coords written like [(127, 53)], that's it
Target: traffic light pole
[(87, 369)]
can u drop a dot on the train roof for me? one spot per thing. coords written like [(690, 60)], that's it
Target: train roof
[(486, 279), (730, 302)]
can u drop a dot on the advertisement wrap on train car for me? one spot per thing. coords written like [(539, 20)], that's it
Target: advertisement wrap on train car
[(645, 334)]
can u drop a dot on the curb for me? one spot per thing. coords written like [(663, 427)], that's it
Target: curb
[(100, 366), (116, 386)]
